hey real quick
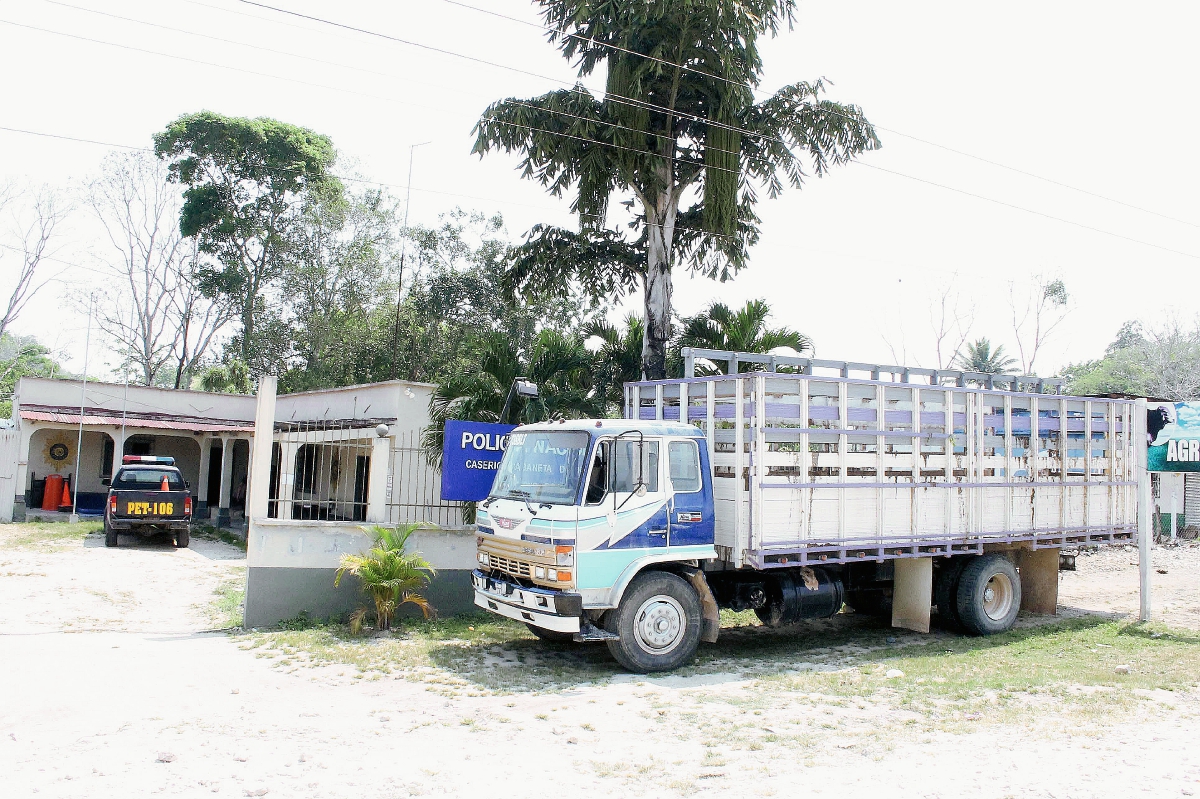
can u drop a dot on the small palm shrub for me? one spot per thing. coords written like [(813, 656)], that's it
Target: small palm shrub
[(389, 575)]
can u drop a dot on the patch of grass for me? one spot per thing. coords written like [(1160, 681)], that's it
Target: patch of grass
[(51, 535), (212, 533), (229, 605)]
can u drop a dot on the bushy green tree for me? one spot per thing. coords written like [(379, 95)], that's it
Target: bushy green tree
[(618, 359), (22, 356), (1160, 362), (247, 185), (677, 134)]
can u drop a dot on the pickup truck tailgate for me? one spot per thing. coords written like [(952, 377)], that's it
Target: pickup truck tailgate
[(150, 505)]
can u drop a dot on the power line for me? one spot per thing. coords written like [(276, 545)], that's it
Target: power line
[(734, 128), (893, 131), (557, 133), (70, 138)]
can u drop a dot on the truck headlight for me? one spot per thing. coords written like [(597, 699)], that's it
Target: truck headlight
[(564, 556), (539, 572), (484, 559)]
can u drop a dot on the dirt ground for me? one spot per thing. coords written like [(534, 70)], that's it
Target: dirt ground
[(116, 681)]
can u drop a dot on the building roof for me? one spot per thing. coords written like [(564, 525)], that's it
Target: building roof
[(157, 421)]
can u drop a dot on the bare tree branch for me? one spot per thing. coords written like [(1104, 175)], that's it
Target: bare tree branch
[(1036, 315), (34, 217)]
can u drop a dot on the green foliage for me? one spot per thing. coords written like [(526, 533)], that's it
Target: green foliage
[(678, 119), (228, 378), (389, 575), (1163, 363), (719, 327), (22, 356), (980, 357), (618, 360), (248, 181), (559, 363)]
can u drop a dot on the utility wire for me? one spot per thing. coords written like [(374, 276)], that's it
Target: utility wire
[(893, 131), (557, 133)]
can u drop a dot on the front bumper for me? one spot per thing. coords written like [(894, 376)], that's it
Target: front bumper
[(550, 610)]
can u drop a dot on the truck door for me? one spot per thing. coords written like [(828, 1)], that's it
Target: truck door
[(690, 509), (634, 506)]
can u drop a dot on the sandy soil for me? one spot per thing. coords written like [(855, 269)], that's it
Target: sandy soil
[(110, 687)]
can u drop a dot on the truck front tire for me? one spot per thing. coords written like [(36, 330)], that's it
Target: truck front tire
[(658, 623), (989, 595)]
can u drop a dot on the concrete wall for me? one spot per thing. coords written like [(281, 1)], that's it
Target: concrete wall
[(291, 567), (406, 402), (218, 407)]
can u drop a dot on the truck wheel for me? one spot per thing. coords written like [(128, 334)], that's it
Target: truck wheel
[(182, 538), (110, 536), (945, 591), (989, 595), (657, 623), (550, 636)]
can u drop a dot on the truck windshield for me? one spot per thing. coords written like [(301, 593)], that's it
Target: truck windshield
[(542, 467), (147, 479)]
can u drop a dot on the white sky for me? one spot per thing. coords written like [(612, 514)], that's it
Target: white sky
[(1093, 94)]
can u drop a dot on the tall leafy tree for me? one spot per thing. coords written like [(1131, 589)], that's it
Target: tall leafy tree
[(980, 357), (745, 329), (678, 134), (247, 182)]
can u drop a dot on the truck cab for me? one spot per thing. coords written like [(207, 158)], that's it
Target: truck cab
[(579, 512)]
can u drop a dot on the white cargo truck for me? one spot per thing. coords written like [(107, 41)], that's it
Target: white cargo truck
[(796, 490)]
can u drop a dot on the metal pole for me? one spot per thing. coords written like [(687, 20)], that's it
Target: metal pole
[(87, 342), (403, 251), (1174, 514), (1143, 480)]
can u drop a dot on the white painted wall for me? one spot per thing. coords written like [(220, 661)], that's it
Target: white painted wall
[(283, 543)]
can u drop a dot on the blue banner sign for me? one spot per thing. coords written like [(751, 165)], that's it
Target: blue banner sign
[(471, 455), (1173, 437)]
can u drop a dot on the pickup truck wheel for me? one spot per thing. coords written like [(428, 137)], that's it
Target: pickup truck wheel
[(550, 636), (110, 536), (182, 539), (989, 595), (657, 623)]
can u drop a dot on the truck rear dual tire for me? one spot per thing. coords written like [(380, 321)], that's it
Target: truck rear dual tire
[(945, 591), (658, 623), (989, 595)]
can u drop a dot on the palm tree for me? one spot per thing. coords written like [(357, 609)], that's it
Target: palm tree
[(980, 357), (389, 575), (560, 364), (678, 120), (719, 327), (619, 359)]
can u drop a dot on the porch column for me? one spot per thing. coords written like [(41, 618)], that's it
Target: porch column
[(287, 478), (202, 480), (378, 479), (226, 481), (22, 487)]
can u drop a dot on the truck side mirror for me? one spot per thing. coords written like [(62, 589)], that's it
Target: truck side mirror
[(640, 490)]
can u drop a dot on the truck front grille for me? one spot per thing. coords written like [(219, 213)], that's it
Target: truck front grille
[(517, 568)]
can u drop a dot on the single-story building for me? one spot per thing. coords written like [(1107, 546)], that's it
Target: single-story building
[(339, 461)]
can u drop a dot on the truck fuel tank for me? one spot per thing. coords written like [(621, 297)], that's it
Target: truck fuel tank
[(795, 594)]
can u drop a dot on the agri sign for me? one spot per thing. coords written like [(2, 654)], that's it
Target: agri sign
[(1187, 451), (484, 442)]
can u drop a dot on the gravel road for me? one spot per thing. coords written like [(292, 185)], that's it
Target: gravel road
[(113, 685)]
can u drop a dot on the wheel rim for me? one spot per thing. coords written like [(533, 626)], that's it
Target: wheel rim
[(998, 597), (659, 624)]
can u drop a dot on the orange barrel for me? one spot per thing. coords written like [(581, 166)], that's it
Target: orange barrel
[(53, 493)]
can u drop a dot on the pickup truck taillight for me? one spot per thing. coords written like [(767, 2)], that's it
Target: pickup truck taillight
[(112, 505), (187, 506)]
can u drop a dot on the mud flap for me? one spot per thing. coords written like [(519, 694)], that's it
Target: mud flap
[(912, 594), (710, 626), (1038, 569)]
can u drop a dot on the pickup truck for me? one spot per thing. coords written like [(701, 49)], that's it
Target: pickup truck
[(794, 493), (148, 495)]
